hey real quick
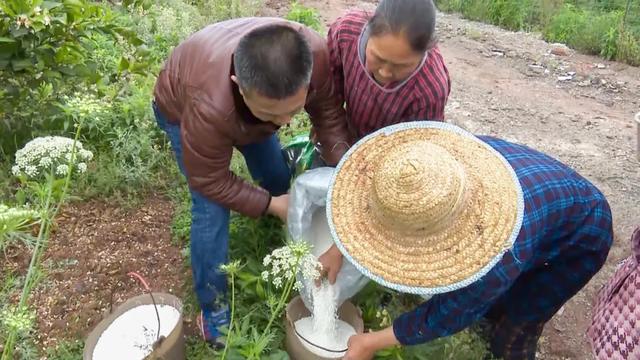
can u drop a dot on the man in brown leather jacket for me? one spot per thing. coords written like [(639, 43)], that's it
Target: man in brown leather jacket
[(233, 85)]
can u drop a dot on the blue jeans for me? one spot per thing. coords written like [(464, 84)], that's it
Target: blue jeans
[(210, 220)]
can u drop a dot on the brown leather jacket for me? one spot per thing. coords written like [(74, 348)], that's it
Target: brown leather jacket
[(194, 89)]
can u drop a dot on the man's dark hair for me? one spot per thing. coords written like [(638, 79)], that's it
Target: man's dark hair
[(415, 19), (273, 60)]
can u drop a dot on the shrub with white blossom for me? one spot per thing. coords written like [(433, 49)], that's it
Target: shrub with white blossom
[(283, 263), (281, 267), (50, 155), (44, 167)]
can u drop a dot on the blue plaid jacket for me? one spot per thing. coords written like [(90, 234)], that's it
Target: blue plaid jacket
[(565, 238)]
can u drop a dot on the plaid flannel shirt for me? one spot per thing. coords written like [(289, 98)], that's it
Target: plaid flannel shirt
[(566, 218)]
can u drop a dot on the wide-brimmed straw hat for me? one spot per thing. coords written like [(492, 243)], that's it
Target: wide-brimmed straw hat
[(424, 207)]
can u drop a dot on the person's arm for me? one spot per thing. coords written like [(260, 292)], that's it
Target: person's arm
[(335, 61), (449, 313), (325, 108), (207, 164), (442, 315)]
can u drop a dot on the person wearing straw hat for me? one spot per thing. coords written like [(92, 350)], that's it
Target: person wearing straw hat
[(491, 229)]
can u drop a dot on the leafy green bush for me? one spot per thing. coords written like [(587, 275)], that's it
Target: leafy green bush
[(628, 48), (511, 14), (217, 10), (165, 24), (584, 30), (473, 9), (108, 82), (305, 15), (45, 52), (565, 24)]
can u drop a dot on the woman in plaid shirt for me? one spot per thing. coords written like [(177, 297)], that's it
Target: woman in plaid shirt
[(387, 67)]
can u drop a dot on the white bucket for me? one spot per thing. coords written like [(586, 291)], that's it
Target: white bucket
[(169, 347), (296, 310)]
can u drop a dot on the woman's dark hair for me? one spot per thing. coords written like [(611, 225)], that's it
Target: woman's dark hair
[(415, 19)]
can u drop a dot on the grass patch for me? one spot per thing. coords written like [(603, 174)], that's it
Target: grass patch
[(305, 15), (610, 28), (67, 350), (586, 31)]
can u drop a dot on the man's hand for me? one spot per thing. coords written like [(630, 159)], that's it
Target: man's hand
[(331, 262), (364, 346), (279, 206)]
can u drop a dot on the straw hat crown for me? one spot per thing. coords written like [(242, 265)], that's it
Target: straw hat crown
[(424, 207), (418, 189)]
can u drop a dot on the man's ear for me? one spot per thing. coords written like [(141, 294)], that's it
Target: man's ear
[(235, 80)]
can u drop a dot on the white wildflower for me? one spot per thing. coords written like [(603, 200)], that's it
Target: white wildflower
[(284, 263), (85, 155), (82, 167), (310, 267), (23, 20), (62, 170), (385, 319), (85, 105), (45, 161), (31, 170), (41, 155)]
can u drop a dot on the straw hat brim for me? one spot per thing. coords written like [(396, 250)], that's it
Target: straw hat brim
[(448, 259)]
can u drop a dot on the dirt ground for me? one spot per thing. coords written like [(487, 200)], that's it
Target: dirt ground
[(577, 108), (88, 260)]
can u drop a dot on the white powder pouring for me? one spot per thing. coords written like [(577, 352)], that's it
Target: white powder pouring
[(323, 328), (131, 336)]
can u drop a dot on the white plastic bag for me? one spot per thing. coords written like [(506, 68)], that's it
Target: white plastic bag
[(307, 221)]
